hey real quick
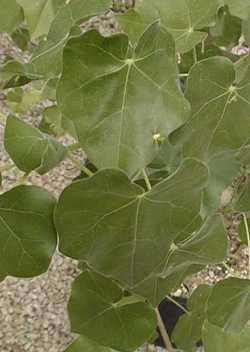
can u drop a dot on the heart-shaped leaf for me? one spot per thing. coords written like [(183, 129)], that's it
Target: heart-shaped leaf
[(229, 304), (46, 62), (83, 344), (188, 330), (27, 234), (122, 101), (216, 339), (216, 97), (30, 149), (184, 20), (96, 310), (106, 220), (208, 245)]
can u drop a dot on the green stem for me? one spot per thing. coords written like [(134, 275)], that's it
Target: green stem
[(178, 305), (79, 164), (248, 241), (183, 74), (163, 331), (195, 55), (148, 184), (74, 146)]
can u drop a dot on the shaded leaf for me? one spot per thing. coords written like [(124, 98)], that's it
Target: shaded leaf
[(184, 20), (30, 149), (46, 62), (188, 330), (53, 122), (39, 15), (27, 234), (121, 101), (113, 224), (239, 8), (208, 245), (10, 15), (216, 339), (96, 311), (229, 304)]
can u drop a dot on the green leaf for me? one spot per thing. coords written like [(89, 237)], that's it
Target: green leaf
[(46, 62), (227, 30), (184, 20), (122, 101), (111, 223), (53, 122), (208, 245), (239, 8), (210, 135), (83, 344), (216, 339), (188, 330), (10, 15), (95, 311), (12, 74), (27, 234), (229, 304), (39, 15), (30, 149)]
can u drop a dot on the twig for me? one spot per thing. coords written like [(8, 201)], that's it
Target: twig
[(148, 184), (178, 305), (79, 165), (163, 332)]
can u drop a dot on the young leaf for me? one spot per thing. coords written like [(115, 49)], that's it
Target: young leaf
[(30, 149), (96, 311), (120, 100), (229, 304), (185, 28), (216, 339), (106, 220), (39, 15), (10, 15), (46, 62), (27, 234), (188, 330)]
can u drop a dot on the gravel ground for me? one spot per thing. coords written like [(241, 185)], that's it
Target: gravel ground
[(33, 311)]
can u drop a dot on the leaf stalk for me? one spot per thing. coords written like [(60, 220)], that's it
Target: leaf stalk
[(163, 332)]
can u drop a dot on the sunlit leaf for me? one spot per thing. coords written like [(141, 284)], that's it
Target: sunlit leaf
[(184, 20), (105, 220), (122, 102)]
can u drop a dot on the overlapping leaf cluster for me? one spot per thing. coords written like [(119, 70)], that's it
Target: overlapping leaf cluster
[(162, 110)]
